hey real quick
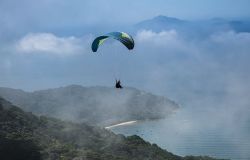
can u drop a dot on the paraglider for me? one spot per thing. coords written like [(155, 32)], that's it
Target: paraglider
[(123, 37), (118, 84)]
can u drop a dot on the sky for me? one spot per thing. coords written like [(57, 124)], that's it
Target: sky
[(46, 14), (47, 43)]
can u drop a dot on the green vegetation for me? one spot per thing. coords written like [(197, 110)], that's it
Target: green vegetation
[(102, 106), (26, 136)]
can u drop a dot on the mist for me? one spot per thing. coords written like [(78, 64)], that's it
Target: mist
[(196, 57), (211, 71), (208, 77), (206, 74)]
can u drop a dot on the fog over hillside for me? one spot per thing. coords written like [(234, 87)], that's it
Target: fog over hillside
[(26, 136), (186, 78), (203, 65), (94, 105)]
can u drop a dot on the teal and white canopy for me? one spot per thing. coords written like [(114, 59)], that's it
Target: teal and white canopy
[(123, 37)]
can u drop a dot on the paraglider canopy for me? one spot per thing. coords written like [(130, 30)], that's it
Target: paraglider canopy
[(123, 37)]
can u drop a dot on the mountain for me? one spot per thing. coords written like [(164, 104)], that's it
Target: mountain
[(93, 105), (240, 26), (160, 23), (26, 136), (193, 28)]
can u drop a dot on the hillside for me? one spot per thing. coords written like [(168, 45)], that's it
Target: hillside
[(44, 138), (195, 28), (93, 105)]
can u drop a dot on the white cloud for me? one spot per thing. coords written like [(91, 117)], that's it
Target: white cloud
[(232, 41), (161, 38), (169, 41), (232, 37), (51, 44)]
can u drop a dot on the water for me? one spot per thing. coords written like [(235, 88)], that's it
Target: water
[(196, 133)]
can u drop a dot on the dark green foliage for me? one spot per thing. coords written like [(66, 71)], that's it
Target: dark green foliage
[(25, 136), (14, 149)]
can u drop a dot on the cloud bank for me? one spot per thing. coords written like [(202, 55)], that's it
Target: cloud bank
[(51, 44), (161, 38)]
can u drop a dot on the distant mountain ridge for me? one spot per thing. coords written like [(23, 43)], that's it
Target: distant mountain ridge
[(160, 23), (163, 20), (93, 105)]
